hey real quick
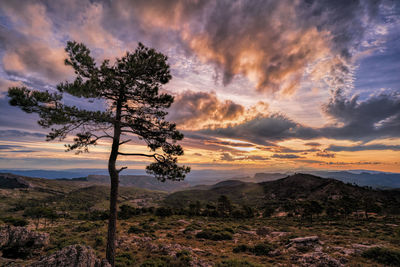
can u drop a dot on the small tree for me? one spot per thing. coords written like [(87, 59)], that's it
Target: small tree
[(130, 89), (224, 207)]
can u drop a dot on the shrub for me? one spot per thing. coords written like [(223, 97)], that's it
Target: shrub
[(98, 241), (15, 221), (163, 212), (156, 262), (124, 259), (214, 234), (236, 263), (262, 249), (383, 255), (183, 259), (240, 248), (127, 212), (135, 230)]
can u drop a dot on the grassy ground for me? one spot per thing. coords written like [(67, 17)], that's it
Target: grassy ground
[(149, 240)]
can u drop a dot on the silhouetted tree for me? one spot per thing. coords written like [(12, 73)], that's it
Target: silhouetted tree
[(369, 205), (130, 89), (224, 206)]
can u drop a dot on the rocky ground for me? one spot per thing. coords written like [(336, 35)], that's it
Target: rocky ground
[(147, 240)]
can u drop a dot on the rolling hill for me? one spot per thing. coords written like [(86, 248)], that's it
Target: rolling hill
[(291, 188)]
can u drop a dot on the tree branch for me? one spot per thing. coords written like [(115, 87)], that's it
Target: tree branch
[(121, 169), (137, 154), (124, 142)]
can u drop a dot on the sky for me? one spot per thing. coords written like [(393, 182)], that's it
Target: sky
[(259, 85)]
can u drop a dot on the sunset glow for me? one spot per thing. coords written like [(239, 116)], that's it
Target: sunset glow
[(259, 85)]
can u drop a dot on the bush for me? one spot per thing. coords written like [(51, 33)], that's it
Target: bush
[(241, 248), (236, 263), (135, 230), (124, 259), (383, 255), (214, 234), (163, 212), (261, 249), (183, 259), (156, 262), (127, 212), (98, 241), (86, 227), (15, 221)]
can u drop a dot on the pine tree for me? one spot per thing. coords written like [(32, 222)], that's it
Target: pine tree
[(135, 107)]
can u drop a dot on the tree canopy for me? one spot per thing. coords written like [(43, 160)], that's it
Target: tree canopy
[(130, 87)]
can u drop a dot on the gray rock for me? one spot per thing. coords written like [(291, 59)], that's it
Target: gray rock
[(19, 242), (72, 256)]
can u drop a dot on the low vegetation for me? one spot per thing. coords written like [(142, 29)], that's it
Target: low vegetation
[(223, 232)]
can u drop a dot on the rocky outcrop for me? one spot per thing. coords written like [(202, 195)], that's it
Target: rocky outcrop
[(19, 242), (11, 181), (75, 255), (318, 259), (304, 243)]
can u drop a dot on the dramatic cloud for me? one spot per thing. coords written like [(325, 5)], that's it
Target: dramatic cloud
[(28, 51), (252, 39), (197, 109), (246, 74), (261, 130), (377, 116)]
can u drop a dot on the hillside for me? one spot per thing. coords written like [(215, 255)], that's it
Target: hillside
[(141, 181), (75, 194), (363, 178), (294, 187)]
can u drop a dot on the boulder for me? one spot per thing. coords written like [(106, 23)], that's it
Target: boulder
[(74, 255), (19, 242)]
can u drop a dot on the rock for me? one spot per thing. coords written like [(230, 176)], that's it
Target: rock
[(246, 232), (11, 181), (344, 251), (278, 234), (318, 259), (307, 239), (360, 248), (75, 255), (263, 231), (19, 242), (182, 221), (304, 244)]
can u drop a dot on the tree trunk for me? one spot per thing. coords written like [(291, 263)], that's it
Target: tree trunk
[(114, 177), (112, 222)]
